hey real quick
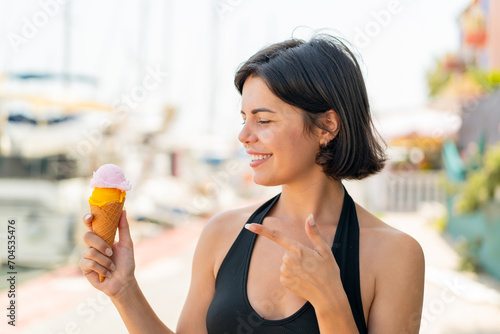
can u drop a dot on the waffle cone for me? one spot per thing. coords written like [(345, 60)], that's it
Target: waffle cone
[(105, 222)]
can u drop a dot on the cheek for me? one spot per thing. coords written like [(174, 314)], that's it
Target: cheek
[(299, 141), (272, 139), (297, 148), (288, 143)]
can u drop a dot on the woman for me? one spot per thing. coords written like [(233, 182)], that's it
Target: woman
[(309, 260)]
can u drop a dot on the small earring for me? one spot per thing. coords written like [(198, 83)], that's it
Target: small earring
[(326, 142)]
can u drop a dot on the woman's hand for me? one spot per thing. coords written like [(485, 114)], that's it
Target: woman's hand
[(311, 273), (118, 268)]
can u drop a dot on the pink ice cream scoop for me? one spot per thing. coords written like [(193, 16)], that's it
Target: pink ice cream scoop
[(110, 176)]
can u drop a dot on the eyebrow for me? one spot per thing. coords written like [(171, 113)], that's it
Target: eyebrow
[(260, 110)]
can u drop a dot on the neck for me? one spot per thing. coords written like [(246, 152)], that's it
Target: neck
[(321, 196)]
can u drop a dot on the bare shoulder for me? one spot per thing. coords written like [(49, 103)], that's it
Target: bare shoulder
[(392, 272), (225, 223), (386, 246), (222, 229)]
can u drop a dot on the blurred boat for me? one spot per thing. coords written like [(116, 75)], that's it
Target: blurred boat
[(45, 217), (43, 174)]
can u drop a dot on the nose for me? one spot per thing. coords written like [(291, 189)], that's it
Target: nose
[(247, 136)]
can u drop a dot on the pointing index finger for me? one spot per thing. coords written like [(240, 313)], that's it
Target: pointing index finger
[(273, 235)]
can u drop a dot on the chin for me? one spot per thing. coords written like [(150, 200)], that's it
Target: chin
[(265, 181)]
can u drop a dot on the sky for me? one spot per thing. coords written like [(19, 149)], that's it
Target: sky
[(147, 54)]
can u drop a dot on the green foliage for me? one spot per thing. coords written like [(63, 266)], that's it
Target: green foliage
[(442, 73), (489, 81), (467, 250), (474, 193), (481, 184), (449, 187), (437, 78), (440, 223)]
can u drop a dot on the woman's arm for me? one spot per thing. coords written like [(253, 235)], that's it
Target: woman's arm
[(125, 293), (335, 316), (136, 312), (399, 287), (120, 283)]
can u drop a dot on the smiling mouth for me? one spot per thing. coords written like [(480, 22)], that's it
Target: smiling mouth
[(260, 157)]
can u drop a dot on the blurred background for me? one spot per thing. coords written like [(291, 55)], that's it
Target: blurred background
[(148, 85)]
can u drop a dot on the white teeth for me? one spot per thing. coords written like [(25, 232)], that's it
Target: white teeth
[(260, 157)]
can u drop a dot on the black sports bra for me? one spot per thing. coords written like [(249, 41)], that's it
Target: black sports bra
[(230, 311)]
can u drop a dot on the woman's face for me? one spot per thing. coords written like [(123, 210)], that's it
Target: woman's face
[(273, 134)]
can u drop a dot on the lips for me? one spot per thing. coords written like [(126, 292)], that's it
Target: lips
[(258, 158), (252, 152)]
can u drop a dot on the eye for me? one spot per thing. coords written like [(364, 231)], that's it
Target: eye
[(264, 122), (243, 115)]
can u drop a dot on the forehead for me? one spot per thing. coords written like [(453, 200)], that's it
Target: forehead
[(256, 94)]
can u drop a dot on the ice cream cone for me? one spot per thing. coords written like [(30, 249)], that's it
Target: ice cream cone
[(105, 222), (106, 203)]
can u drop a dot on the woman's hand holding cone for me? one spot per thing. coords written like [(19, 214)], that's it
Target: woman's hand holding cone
[(117, 268)]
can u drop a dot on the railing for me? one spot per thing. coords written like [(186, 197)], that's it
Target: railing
[(403, 190), (407, 190)]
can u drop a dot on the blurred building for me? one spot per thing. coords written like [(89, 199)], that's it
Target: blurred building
[(480, 62), (460, 120), (472, 161), (480, 28), (473, 70)]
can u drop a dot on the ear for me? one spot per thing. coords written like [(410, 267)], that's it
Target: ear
[(330, 121)]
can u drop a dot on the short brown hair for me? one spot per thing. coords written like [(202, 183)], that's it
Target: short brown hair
[(317, 76)]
